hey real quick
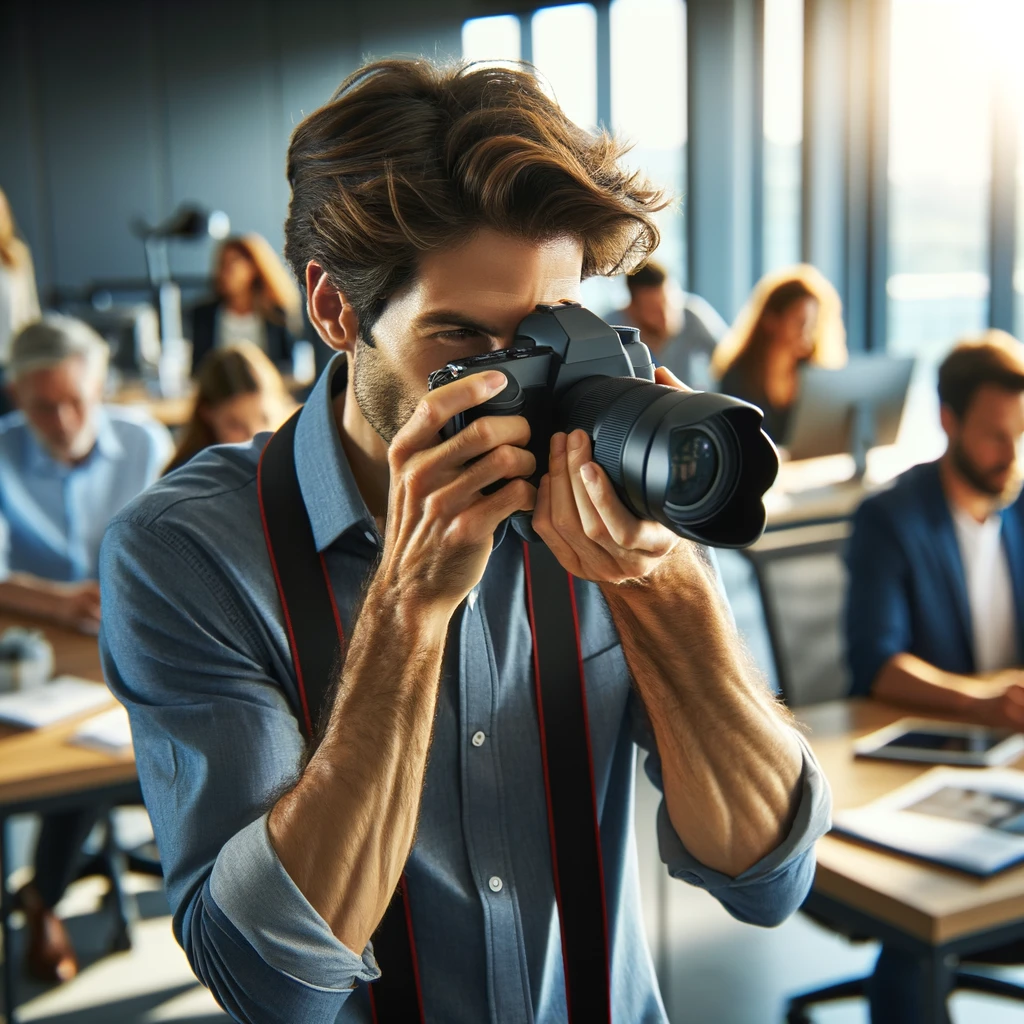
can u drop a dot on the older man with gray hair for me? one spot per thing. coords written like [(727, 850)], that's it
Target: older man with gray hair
[(67, 465)]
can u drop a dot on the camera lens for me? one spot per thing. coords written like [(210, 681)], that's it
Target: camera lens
[(693, 467), (696, 462)]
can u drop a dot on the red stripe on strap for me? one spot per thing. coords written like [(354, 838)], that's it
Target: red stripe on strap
[(412, 944), (284, 603)]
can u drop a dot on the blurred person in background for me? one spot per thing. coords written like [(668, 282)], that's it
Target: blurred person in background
[(67, 464), (793, 317), (19, 303), (239, 395), (935, 608), (256, 301), (680, 329)]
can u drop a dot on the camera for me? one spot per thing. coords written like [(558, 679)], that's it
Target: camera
[(697, 462)]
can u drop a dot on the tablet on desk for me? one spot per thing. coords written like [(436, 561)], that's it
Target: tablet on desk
[(931, 742)]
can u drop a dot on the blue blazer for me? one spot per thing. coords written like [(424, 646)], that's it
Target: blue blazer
[(907, 591)]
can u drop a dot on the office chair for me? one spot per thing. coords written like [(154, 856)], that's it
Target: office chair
[(829, 540), (113, 863)]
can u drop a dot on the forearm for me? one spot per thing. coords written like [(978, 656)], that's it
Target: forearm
[(344, 832), (32, 595), (731, 762), (907, 679)]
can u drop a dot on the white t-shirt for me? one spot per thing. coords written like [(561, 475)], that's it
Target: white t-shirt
[(989, 591), (235, 327)]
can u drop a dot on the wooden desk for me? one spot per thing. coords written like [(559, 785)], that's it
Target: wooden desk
[(41, 772), (171, 412), (932, 911)]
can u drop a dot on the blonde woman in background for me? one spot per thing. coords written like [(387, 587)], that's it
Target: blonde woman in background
[(256, 301), (19, 303), (793, 317), (240, 394)]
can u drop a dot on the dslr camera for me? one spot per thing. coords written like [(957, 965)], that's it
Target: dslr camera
[(697, 462)]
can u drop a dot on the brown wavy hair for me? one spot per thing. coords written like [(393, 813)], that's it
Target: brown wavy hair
[(225, 373), (409, 157)]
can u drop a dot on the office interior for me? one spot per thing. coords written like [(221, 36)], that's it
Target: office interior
[(879, 141)]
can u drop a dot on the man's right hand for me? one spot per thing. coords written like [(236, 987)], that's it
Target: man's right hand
[(440, 526), (79, 607)]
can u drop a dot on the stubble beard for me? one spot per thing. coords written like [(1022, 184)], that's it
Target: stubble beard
[(380, 393)]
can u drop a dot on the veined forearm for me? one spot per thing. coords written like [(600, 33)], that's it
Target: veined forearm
[(344, 832), (731, 762)]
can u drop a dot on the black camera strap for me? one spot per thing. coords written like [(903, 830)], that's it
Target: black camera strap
[(316, 639)]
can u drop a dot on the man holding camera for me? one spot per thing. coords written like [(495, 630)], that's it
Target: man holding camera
[(431, 211)]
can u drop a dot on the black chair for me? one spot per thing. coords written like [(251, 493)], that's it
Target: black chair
[(829, 540), (113, 863)]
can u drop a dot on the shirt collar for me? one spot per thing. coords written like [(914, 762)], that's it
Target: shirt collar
[(39, 461), (333, 502)]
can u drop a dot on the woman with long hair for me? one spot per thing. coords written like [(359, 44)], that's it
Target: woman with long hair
[(240, 394), (793, 317), (256, 300), (19, 303)]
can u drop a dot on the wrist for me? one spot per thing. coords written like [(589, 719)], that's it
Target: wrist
[(396, 608)]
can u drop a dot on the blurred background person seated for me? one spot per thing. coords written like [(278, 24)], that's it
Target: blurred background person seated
[(256, 301), (19, 303), (793, 317), (239, 394), (680, 329), (67, 464), (935, 610)]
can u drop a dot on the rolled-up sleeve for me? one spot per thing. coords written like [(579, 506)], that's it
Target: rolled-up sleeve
[(772, 889), (216, 744)]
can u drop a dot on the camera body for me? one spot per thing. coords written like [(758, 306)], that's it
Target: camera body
[(697, 462)]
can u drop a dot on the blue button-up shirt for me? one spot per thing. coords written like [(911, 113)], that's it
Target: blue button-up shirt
[(194, 645), (52, 516)]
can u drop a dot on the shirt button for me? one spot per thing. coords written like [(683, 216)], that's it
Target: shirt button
[(478, 738), (495, 883)]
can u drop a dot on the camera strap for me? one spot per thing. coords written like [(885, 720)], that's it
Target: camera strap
[(316, 640)]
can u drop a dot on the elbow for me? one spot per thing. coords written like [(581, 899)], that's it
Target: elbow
[(771, 903)]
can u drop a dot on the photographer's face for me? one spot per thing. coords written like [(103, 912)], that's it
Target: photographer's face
[(462, 302)]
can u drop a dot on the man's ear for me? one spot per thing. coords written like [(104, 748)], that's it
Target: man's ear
[(333, 317)]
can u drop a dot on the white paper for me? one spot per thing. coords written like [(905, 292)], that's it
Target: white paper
[(52, 702), (979, 828), (108, 732)]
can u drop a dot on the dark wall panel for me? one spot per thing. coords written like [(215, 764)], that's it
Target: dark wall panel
[(100, 124)]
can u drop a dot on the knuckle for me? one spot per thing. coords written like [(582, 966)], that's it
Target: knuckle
[(485, 431), (593, 530)]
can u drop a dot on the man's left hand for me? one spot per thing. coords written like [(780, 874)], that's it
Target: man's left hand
[(584, 522)]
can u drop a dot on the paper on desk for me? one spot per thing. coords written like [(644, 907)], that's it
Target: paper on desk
[(108, 732), (967, 818), (52, 702)]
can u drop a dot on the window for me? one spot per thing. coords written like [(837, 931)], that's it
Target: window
[(565, 53), (648, 43), (492, 38), (940, 155), (783, 131)]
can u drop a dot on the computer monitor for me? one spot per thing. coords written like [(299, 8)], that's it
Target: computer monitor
[(850, 410)]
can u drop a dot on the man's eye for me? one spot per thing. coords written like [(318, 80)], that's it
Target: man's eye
[(459, 334)]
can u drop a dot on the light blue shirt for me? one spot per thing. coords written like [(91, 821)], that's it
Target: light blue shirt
[(194, 645), (52, 516)]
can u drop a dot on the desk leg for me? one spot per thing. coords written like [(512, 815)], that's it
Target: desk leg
[(6, 906), (936, 981)]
